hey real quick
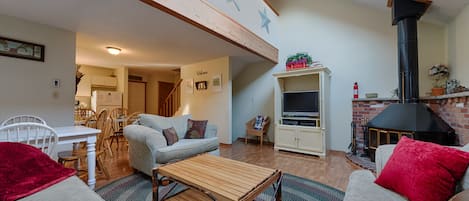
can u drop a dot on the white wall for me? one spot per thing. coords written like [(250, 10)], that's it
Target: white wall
[(208, 105), (433, 49), (253, 95), (357, 43), (26, 85), (122, 75), (458, 47)]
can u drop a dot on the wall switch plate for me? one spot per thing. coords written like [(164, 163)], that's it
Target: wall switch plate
[(56, 83), (460, 105)]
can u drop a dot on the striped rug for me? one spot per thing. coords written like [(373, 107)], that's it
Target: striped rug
[(137, 187)]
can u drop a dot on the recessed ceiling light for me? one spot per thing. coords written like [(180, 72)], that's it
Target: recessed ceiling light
[(113, 50)]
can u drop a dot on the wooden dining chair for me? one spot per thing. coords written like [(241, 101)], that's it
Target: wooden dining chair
[(75, 156), (22, 119), (119, 118), (85, 117), (38, 135), (261, 129)]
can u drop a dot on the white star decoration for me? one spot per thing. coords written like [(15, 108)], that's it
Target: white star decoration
[(235, 3), (265, 20)]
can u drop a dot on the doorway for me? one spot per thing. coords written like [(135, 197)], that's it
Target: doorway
[(137, 97), (164, 88)]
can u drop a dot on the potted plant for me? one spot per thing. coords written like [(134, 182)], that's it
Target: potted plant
[(439, 74)]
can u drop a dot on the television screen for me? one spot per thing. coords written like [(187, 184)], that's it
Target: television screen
[(301, 103)]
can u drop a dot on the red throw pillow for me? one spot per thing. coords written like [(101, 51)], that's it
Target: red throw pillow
[(195, 129), (423, 171)]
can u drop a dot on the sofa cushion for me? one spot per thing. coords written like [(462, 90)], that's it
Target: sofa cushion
[(195, 129), (185, 148), (171, 135), (159, 123), (423, 171), (361, 187)]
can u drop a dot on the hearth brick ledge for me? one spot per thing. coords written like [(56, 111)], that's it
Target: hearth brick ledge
[(453, 108)]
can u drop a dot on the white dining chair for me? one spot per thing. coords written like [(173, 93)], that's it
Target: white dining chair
[(22, 119), (38, 135)]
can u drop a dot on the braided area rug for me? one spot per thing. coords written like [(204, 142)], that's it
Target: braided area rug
[(137, 187)]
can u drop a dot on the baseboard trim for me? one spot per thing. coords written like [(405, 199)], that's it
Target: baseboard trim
[(252, 140)]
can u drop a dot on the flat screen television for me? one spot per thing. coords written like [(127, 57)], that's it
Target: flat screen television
[(301, 104)]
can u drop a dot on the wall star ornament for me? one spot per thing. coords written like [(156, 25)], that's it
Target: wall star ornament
[(235, 3), (265, 20)]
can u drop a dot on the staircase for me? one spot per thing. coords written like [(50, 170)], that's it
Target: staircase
[(172, 103)]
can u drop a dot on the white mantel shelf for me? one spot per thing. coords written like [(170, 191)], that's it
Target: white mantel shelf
[(375, 99), (447, 96), (442, 97)]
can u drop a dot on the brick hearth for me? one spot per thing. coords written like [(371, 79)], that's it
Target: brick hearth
[(453, 108)]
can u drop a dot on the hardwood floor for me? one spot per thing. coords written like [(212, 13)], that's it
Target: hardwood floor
[(333, 170)]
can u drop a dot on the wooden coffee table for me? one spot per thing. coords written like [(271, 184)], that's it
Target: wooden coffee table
[(215, 178)]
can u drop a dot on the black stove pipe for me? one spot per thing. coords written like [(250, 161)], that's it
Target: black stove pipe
[(408, 60)]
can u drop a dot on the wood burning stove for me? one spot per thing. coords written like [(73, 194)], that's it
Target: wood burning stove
[(408, 118)]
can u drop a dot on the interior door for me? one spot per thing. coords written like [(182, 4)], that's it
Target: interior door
[(137, 102), (164, 88)]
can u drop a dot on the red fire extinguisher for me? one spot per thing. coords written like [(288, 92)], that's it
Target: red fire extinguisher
[(355, 90)]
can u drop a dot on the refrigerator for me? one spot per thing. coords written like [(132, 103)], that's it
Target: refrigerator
[(105, 100)]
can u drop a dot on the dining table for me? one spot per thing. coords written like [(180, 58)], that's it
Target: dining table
[(74, 134)]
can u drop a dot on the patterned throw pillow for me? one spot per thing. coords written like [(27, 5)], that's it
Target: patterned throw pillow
[(195, 129), (171, 136), (259, 122)]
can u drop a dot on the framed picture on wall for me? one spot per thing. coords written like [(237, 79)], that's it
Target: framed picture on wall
[(201, 85), (21, 49), (217, 83)]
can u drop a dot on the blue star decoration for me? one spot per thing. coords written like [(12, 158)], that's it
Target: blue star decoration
[(265, 20), (235, 3)]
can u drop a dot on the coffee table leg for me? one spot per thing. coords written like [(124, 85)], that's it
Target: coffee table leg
[(278, 190), (155, 185), (278, 197)]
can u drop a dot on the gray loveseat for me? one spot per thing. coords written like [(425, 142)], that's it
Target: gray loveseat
[(148, 148), (361, 186)]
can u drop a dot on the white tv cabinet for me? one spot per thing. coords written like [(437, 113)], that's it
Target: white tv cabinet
[(296, 138)]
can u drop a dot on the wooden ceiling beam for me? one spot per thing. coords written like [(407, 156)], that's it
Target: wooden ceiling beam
[(204, 16)]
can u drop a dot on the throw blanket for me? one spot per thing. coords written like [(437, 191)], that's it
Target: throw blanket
[(25, 170)]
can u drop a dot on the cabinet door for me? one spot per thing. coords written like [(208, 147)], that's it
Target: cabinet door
[(310, 140), (286, 137)]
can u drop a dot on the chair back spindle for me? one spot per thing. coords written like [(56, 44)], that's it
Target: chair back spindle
[(38, 135), (23, 118)]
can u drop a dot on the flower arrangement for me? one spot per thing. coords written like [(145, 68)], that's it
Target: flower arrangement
[(439, 74), (299, 61)]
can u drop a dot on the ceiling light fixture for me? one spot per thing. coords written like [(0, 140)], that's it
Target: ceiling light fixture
[(113, 50)]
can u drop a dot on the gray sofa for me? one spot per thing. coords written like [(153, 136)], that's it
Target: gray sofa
[(148, 148), (71, 189), (361, 186)]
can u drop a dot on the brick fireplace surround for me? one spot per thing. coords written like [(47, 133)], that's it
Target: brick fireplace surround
[(452, 108)]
